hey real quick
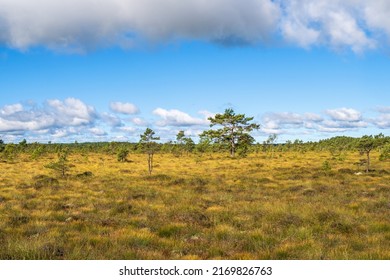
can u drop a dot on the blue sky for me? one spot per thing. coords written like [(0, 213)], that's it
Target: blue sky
[(298, 74)]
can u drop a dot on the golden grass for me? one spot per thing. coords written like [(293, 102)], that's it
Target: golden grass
[(195, 207)]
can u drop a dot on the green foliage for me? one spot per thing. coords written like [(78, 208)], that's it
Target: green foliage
[(180, 137), (204, 145), (189, 145), (2, 145), (326, 167), (37, 152), (122, 154), (234, 130), (22, 145), (10, 151), (184, 143), (385, 154), (61, 166), (368, 143), (149, 146), (269, 144)]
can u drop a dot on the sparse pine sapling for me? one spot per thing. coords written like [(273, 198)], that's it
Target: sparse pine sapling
[(184, 143), (22, 145), (37, 152), (326, 167), (61, 166), (122, 154), (365, 145), (269, 144), (149, 146), (10, 151)]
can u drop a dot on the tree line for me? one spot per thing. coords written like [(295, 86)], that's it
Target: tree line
[(229, 132)]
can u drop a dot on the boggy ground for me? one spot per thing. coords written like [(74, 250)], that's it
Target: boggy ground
[(195, 207)]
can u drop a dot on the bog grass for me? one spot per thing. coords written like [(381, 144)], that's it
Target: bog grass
[(195, 207)]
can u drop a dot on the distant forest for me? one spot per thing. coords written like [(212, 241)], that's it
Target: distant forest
[(335, 145)]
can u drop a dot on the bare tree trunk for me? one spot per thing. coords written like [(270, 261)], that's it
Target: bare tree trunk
[(233, 145), (150, 163), (232, 149), (368, 162)]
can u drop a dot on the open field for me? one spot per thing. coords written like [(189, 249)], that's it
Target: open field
[(196, 207)]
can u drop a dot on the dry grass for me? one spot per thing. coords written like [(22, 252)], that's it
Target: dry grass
[(208, 207)]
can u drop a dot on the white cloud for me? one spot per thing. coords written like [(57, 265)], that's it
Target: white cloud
[(376, 14), (384, 109), (128, 129), (339, 120), (285, 118), (112, 120), (72, 112), (11, 109), (344, 114), (71, 119), (60, 133), (313, 117), (55, 114), (382, 121), (139, 121), (343, 124), (124, 108), (97, 131), (206, 115), (277, 123), (7, 125), (338, 24), (177, 118), (80, 25), (83, 24)]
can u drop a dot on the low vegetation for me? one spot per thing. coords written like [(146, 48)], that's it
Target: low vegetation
[(293, 201)]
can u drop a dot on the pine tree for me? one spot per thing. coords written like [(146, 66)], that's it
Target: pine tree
[(234, 130)]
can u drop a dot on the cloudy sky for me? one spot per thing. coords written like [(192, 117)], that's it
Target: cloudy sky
[(104, 70)]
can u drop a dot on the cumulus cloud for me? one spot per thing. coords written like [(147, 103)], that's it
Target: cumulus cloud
[(124, 108), (344, 114), (384, 110), (71, 111), (176, 118), (313, 117), (111, 119), (55, 114), (11, 109), (278, 122), (335, 23), (139, 121), (128, 129), (14, 125), (98, 131), (383, 120), (72, 119), (81, 25), (376, 14), (206, 114), (334, 120)]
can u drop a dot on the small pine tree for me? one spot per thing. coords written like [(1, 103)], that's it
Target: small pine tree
[(122, 154), (61, 166), (149, 146)]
